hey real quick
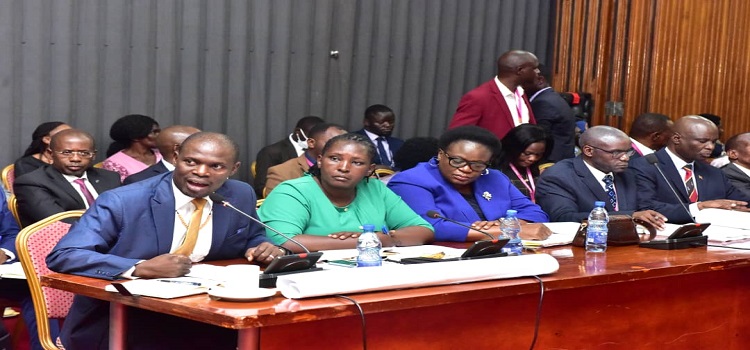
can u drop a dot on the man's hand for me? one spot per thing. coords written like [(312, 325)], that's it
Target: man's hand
[(264, 253), (727, 204), (652, 217), (535, 231), (3, 257), (165, 265)]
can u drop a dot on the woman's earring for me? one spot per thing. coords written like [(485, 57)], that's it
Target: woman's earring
[(433, 161), (486, 171)]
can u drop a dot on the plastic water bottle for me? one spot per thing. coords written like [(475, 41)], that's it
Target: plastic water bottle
[(596, 232), (510, 227), (368, 247)]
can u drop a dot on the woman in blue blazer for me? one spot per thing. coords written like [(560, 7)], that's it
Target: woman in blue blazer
[(459, 185)]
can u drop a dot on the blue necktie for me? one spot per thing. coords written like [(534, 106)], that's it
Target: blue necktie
[(609, 186), (384, 159)]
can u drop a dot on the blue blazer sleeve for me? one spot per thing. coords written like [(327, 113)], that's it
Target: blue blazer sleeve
[(8, 226)]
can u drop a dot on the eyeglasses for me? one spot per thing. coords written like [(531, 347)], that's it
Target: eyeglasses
[(83, 154), (617, 154), (458, 162)]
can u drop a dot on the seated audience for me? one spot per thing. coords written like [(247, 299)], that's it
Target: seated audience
[(501, 104), (459, 185), (698, 184), (649, 133), (296, 167), (378, 124), (567, 190), (553, 114), (325, 209), (134, 231), (36, 154), (718, 151), (134, 146), (17, 289), (738, 171), (276, 153), (69, 183), (167, 142), (524, 148)]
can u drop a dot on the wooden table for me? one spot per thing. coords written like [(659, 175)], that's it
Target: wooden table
[(626, 298)]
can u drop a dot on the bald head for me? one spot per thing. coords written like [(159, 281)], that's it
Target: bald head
[(216, 140), (694, 138), (67, 134), (171, 137), (516, 68), (606, 148), (601, 135)]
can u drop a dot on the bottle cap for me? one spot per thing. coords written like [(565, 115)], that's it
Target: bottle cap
[(511, 212), (599, 204), (368, 227)]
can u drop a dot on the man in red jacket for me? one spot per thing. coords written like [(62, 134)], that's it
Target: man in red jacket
[(499, 105)]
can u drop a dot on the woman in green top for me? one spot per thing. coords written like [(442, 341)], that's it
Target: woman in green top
[(325, 209)]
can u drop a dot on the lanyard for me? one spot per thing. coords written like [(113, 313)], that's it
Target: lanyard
[(635, 147), (528, 184)]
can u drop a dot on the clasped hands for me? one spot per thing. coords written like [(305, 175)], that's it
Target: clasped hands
[(175, 265), (529, 231)]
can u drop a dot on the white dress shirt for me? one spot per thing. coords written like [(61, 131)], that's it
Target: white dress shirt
[(89, 186), (513, 103)]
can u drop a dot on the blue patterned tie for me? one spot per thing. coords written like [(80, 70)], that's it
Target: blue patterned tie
[(384, 159), (609, 186)]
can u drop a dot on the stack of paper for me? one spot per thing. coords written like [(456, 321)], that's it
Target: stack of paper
[(164, 288)]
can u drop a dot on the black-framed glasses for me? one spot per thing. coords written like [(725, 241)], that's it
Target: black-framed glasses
[(69, 153), (458, 162), (617, 154)]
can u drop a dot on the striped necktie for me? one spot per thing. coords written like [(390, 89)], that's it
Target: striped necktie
[(692, 190)]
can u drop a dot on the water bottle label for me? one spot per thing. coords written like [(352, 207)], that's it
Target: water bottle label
[(369, 257)]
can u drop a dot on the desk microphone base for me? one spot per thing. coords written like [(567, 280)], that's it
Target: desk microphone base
[(676, 243), (268, 280)]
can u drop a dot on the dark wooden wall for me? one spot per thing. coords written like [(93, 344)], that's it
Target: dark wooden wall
[(676, 57)]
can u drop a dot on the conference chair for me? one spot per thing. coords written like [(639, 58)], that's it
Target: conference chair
[(252, 168), (99, 165), (259, 201), (33, 245), (8, 176), (13, 207), (383, 172)]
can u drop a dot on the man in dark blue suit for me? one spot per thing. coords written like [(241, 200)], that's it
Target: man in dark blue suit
[(701, 186), (649, 133), (378, 126), (167, 141), (133, 232), (567, 190)]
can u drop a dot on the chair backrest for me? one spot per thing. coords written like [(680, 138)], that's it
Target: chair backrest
[(252, 168), (383, 172), (33, 244), (13, 207), (8, 176)]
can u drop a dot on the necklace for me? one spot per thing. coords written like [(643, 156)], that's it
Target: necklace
[(182, 220)]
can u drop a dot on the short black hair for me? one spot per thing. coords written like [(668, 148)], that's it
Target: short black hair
[(375, 109), (214, 137), (414, 151), (355, 138), (307, 123), (521, 137), (648, 123), (712, 117), (321, 128), (128, 128), (471, 133)]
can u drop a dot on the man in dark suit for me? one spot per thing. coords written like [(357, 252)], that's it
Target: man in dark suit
[(133, 232), (500, 104), (738, 171), (649, 133), (378, 124), (167, 141), (698, 184), (553, 114), (567, 190), (69, 183), (274, 154)]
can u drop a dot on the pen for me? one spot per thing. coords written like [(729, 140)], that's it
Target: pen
[(385, 230), (197, 284)]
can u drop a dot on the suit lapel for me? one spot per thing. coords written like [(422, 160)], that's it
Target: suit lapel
[(507, 117), (221, 220), (59, 180), (670, 171), (163, 212), (592, 184)]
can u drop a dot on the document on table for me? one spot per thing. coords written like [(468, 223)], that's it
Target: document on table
[(14, 270), (562, 234), (165, 288)]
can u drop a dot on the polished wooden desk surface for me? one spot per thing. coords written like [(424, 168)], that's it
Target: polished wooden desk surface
[(577, 269)]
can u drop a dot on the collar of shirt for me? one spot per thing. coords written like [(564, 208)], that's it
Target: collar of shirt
[(505, 91), (182, 201), (72, 178), (678, 162), (743, 169), (538, 92), (641, 148), (373, 137), (168, 165), (184, 207), (598, 175), (310, 160), (512, 103)]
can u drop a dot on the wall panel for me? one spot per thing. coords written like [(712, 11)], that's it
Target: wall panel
[(250, 68)]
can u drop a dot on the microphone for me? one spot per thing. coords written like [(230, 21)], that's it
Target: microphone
[(480, 249), (435, 215), (280, 265), (652, 159), (687, 236)]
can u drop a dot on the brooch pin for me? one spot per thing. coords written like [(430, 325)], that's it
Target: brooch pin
[(486, 195)]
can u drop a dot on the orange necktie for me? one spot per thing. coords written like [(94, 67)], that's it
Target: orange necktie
[(191, 237)]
